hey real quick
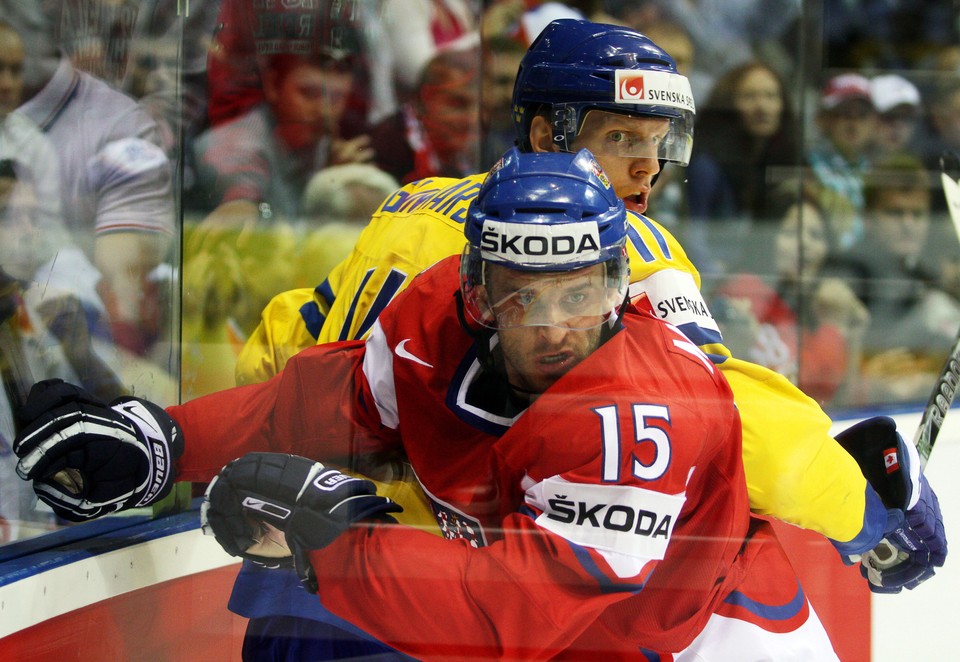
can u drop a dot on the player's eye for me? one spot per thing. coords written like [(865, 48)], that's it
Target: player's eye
[(525, 297)]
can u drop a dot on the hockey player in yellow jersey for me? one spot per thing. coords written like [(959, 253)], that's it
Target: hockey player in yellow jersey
[(612, 91)]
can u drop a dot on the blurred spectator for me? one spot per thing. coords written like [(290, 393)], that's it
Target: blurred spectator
[(947, 60), (247, 32), (26, 349), (441, 126), (501, 60), (674, 39), (414, 30), (27, 159), (746, 143), (115, 193), (913, 320), (31, 238), (879, 34), (256, 168), (637, 12), (340, 202), (668, 199), (839, 155), (268, 154), (347, 193), (524, 19), (796, 321), (728, 34), (944, 119), (146, 48), (899, 113)]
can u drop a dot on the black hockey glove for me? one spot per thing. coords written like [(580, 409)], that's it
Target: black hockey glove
[(914, 522), (87, 458), (310, 503)]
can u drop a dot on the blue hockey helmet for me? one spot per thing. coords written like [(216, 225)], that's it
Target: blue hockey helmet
[(550, 218), (575, 66)]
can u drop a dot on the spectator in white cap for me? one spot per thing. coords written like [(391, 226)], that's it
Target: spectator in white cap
[(899, 107), (839, 155)]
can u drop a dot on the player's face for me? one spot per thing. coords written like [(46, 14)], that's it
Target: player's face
[(11, 71), (612, 135), (554, 309)]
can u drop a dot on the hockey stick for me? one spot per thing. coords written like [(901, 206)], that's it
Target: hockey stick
[(945, 388), (885, 555)]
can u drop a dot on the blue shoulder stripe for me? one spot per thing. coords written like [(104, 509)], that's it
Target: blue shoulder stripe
[(391, 285), (348, 319), (325, 291), (655, 231), (312, 318), (638, 244)]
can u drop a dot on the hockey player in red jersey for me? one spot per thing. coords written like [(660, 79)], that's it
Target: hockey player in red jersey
[(593, 509)]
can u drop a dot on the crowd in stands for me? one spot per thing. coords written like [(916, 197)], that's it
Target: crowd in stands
[(263, 135)]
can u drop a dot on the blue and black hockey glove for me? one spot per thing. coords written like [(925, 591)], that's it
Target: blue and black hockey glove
[(914, 523)]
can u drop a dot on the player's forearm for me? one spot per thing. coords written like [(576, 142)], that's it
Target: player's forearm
[(313, 408), (222, 426)]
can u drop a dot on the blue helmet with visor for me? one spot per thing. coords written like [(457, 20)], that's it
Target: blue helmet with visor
[(554, 221), (576, 67)]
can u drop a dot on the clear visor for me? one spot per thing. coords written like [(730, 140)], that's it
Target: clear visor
[(616, 134), (582, 298)]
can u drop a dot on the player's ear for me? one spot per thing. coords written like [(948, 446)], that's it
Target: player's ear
[(541, 137)]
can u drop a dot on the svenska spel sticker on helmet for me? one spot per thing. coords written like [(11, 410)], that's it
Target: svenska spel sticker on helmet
[(654, 88)]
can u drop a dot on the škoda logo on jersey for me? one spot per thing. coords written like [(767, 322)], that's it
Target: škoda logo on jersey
[(539, 244), (627, 519), (653, 88)]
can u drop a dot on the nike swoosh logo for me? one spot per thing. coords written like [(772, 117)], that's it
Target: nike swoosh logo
[(402, 352)]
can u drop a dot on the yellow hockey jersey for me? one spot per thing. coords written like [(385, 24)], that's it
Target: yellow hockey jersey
[(786, 437)]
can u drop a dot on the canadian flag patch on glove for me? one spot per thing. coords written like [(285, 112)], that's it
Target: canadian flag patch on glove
[(890, 460)]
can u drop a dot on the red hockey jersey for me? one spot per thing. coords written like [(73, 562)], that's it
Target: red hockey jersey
[(613, 509)]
